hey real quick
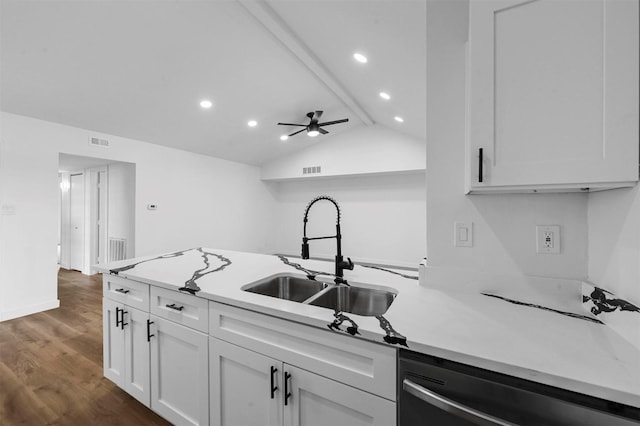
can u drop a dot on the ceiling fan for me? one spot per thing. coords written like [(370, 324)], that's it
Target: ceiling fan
[(314, 128)]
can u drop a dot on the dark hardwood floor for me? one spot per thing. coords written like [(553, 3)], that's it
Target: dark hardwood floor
[(51, 365)]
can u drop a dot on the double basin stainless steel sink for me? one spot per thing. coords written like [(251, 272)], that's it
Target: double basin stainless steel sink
[(366, 300)]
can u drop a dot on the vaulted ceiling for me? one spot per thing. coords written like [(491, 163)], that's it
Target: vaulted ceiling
[(139, 69)]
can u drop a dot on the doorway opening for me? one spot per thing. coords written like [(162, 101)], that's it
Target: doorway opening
[(97, 212)]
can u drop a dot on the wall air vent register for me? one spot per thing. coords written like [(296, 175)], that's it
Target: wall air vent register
[(311, 170), (98, 142)]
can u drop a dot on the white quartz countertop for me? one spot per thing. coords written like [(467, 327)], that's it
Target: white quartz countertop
[(464, 325)]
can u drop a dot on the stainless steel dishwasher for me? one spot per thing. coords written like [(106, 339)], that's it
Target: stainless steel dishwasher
[(435, 391)]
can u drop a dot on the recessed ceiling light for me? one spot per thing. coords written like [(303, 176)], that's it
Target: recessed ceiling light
[(206, 104), (360, 58), (385, 96), (252, 123), (399, 119), (284, 137)]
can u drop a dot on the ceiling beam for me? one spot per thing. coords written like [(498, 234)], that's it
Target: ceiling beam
[(281, 31)]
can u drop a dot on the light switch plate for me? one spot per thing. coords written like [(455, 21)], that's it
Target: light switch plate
[(463, 234)]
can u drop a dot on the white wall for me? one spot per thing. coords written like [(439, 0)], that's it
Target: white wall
[(365, 149), (121, 214), (504, 225), (614, 241), (376, 175), (202, 201), (383, 217)]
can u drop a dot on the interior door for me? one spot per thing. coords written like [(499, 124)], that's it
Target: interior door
[(76, 222)]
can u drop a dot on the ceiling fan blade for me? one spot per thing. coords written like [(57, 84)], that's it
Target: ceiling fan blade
[(328, 123), (295, 133), (291, 124), (316, 116), (323, 131)]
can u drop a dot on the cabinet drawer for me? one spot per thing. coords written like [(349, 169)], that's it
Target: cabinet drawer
[(181, 308), (352, 361), (129, 292)]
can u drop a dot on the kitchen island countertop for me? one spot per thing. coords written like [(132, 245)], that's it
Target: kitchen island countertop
[(551, 340)]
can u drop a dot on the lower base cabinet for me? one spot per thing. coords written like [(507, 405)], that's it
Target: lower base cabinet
[(126, 350), (162, 364), (251, 369), (179, 373), (248, 388), (316, 400)]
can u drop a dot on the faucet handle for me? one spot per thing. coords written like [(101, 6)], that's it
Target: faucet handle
[(350, 264)]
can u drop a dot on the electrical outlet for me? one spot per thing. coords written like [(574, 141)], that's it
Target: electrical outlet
[(548, 239)]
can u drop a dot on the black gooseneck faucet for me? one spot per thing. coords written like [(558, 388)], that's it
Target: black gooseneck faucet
[(341, 264)]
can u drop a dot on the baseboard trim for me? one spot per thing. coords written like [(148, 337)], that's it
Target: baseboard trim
[(29, 310)]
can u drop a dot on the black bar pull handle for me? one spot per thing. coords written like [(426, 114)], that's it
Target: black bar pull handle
[(274, 387), (480, 163), (122, 290), (287, 394), (173, 306), (149, 335), (118, 320), (453, 407), (122, 323)]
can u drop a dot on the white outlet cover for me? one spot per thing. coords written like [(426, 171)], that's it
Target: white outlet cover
[(548, 239)]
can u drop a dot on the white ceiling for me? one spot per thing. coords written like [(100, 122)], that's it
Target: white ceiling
[(139, 69)]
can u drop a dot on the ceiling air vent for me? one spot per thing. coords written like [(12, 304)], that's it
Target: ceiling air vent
[(311, 170), (98, 142)]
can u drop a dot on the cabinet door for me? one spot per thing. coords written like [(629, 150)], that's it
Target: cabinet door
[(113, 342), (136, 354), (179, 373), (553, 94), (241, 384), (316, 400)]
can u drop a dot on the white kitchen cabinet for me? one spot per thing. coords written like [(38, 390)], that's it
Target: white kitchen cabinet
[(355, 362), (113, 345), (179, 373), (136, 349), (316, 400), (161, 358), (241, 383), (552, 95), (125, 348), (248, 388), (254, 369)]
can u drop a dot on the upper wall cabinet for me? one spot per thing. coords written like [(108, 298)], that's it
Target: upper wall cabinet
[(552, 95)]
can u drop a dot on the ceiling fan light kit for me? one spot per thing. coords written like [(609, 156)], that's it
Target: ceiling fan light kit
[(313, 128)]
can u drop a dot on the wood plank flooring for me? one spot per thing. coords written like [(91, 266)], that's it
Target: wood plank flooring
[(51, 365)]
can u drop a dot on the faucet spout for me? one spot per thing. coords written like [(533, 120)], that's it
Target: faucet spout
[(340, 263)]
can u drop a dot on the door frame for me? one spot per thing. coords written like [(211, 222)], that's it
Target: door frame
[(91, 215), (98, 217)]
